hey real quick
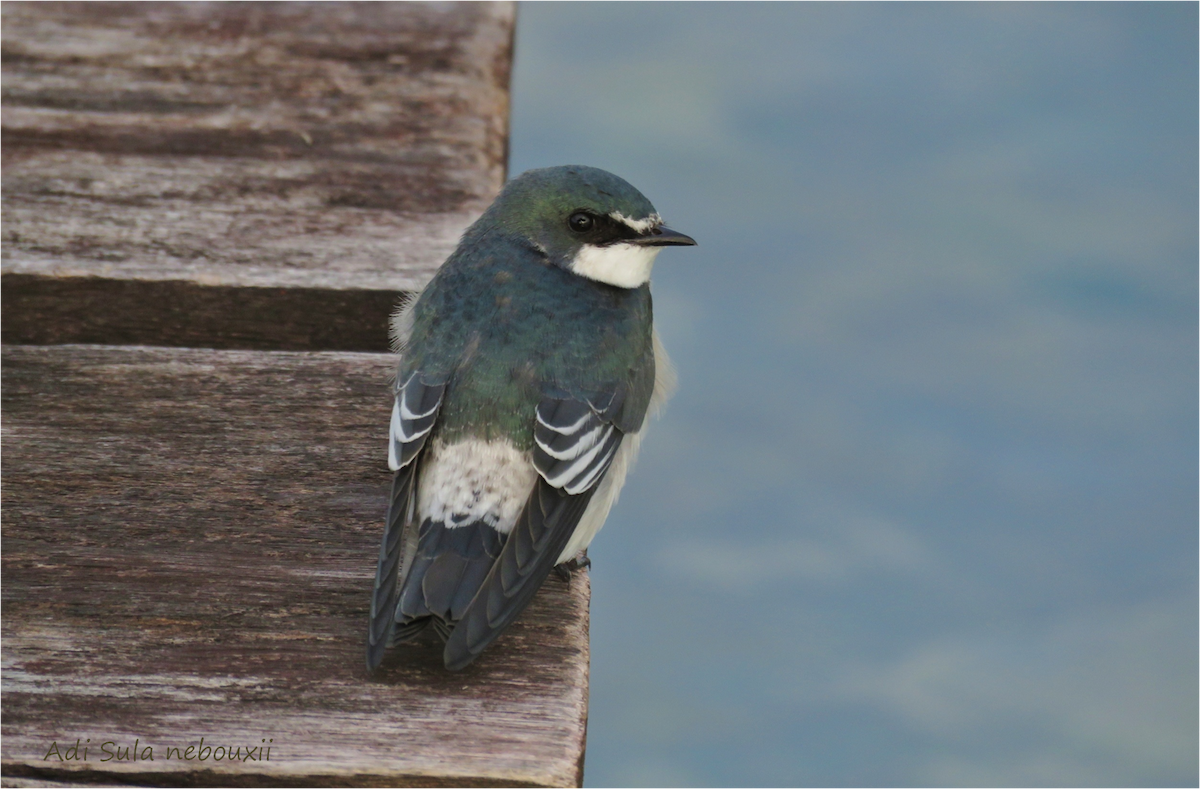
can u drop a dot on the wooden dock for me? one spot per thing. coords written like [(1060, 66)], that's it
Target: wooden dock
[(209, 211)]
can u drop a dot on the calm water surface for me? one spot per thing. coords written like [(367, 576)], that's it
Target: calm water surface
[(924, 510)]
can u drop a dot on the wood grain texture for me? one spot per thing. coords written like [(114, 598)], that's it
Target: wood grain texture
[(275, 145), (189, 540)]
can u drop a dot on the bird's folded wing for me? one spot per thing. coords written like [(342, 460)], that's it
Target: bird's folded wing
[(574, 446), (399, 539), (413, 415)]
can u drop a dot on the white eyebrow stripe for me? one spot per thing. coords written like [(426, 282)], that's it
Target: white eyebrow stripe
[(638, 225)]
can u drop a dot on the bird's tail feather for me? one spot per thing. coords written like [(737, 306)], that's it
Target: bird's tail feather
[(449, 565), (407, 631)]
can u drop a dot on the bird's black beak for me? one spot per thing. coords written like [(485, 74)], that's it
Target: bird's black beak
[(663, 237)]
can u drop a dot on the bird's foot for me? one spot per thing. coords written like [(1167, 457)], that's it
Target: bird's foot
[(565, 569)]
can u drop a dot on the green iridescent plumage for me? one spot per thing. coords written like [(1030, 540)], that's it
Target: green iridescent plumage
[(506, 322), (536, 329)]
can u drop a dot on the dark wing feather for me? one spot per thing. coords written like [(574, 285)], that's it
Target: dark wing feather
[(398, 538), (413, 415), (540, 534), (450, 566), (574, 446)]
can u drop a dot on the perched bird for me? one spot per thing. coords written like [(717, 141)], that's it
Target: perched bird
[(527, 368)]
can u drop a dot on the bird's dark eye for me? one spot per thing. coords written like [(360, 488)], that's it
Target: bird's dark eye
[(581, 222)]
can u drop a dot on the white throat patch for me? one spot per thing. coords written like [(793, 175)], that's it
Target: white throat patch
[(623, 265)]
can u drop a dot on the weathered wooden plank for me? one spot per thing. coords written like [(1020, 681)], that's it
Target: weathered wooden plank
[(241, 145), (189, 538), (19, 782), (186, 314)]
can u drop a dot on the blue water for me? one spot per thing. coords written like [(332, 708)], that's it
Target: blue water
[(924, 509)]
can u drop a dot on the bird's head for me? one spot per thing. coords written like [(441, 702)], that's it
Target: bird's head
[(585, 220)]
